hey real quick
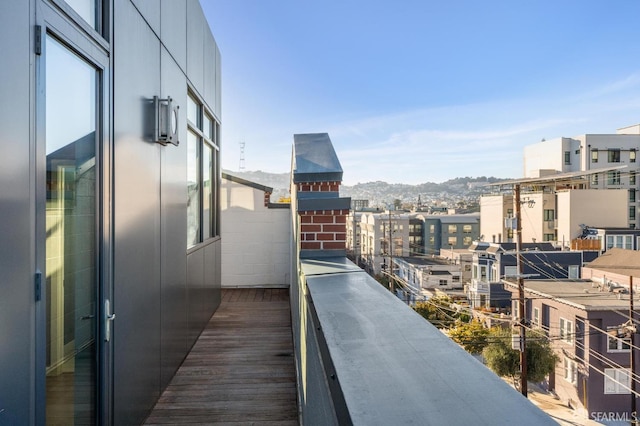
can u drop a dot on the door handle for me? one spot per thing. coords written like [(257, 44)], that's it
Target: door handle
[(108, 317)]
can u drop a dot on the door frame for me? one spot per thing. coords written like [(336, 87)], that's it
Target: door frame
[(60, 20)]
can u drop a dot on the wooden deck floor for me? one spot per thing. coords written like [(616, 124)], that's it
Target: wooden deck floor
[(241, 370)]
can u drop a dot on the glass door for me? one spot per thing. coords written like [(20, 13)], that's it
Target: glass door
[(71, 252)]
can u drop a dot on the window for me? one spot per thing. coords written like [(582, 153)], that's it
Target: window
[(594, 155), (573, 271), (614, 155), (510, 271), (455, 278), (613, 178), (467, 229), (616, 343), (548, 237), (509, 212), (549, 215), (567, 158), (617, 380), (443, 282), (483, 273), (467, 241), (432, 240), (570, 371), (632, 195), (453, 241), (632, 212), (566, 330), (453, 229), (620, 241), (536, 317), (632, 178), (432, 229), (632, 155), (594, 179), (203, 133)]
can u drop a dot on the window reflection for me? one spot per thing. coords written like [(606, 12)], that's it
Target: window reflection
[(71, 284), (86, 9), (193, 189)]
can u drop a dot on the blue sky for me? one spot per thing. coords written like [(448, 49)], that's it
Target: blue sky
[(424, 90)]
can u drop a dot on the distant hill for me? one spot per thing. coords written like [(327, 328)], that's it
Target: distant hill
[(382, 193)]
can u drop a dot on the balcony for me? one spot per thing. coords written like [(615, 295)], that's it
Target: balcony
[(241, 369)]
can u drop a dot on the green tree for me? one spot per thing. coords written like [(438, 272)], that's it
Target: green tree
[(438, 311), (472, 336), (505, 362)]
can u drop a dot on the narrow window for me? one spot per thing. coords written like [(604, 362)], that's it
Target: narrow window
[(632, 155), (567, 158), (594, 155), (203, 133), (614, 155)]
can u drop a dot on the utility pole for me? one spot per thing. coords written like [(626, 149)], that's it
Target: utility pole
[(391, 282), (521, 305), (633, 351)]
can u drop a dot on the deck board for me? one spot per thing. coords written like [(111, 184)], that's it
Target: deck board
[(241, 370)]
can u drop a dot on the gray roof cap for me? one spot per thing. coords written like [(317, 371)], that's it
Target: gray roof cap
[(315, 160)]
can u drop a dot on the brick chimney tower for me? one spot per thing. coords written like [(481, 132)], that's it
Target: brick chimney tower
[(321, 215)]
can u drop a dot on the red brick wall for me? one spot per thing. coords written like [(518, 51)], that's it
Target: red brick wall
[(318, 186), (323, 229)]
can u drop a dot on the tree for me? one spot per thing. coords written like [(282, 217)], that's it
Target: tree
[(438, 311), (472, 336), (504, 361)]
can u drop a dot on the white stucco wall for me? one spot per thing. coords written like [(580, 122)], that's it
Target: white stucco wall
[(592, 207), (493, 211), (256, 240)]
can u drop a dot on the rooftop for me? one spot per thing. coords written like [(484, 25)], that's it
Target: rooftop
[(582, 294)]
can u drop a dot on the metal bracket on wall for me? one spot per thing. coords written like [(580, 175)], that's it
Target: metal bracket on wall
[(166, 121)]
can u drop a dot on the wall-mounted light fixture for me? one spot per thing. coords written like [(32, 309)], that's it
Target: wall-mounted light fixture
[(166, 121)]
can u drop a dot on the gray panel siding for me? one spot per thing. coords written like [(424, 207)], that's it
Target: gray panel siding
[(137, 219), (16, 226), (173, 30), (195, 46), (195, 284), (173, 230)]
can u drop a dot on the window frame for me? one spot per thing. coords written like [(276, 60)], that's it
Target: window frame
[(620, 342), (567, 330), (209, 138), (570, 369), (613, 380), (613, 155), (594, 155)]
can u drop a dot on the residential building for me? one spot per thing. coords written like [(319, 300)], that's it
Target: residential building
[(588, 152), (588, 326), (418, 275), (255, 232), (445, 232), (494, 262), (385, 235), (110, 185), (551, 213)]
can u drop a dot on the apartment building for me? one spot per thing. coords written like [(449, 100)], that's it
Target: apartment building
[(385, 235), (588, 152), (588, 326), (446, 232), (494, 262), (110, 186), (552, 213)]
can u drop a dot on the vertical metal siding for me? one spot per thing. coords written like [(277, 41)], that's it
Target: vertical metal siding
[(136, 218), (16, 209)]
